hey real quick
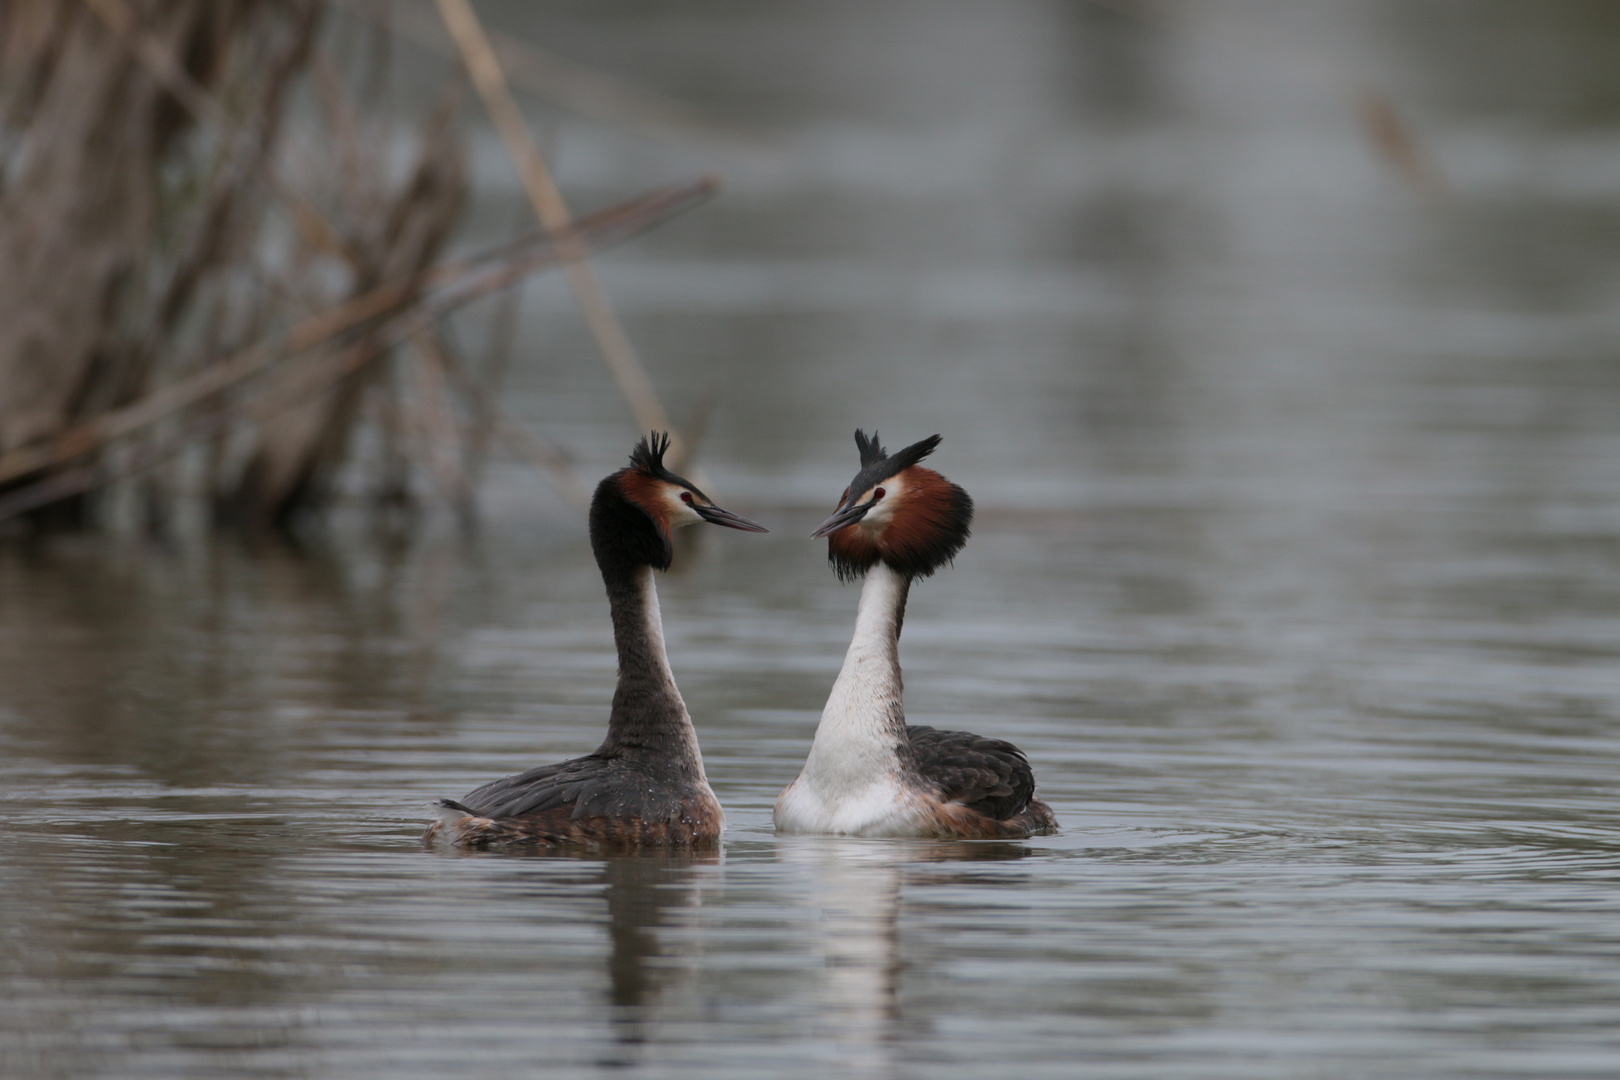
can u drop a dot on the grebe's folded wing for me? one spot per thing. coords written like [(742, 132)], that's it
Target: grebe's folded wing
[(987, 775), (595, 786)]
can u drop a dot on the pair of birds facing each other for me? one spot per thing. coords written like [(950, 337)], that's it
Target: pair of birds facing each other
[(868, 773)]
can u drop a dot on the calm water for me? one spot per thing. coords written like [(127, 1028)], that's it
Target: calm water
[(1297, 574)]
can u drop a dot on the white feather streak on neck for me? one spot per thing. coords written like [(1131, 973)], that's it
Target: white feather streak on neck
[(864, 719)]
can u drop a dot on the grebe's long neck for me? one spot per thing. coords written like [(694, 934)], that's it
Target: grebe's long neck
[(864, 722), (648, 714)]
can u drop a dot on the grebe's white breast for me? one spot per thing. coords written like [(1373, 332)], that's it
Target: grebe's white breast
[(852, 783), (885, 807)]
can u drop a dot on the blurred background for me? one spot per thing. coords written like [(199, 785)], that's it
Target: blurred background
[(1278, 345)]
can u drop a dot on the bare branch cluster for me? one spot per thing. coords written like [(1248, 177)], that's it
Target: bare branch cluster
[(208, 242)]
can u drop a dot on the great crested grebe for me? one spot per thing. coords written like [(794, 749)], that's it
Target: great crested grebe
[(869, 773), (645, 784)]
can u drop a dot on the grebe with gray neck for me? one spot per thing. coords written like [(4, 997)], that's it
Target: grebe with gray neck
[(869, 773), (645, 785)]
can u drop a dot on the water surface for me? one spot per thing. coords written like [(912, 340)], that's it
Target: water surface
[(1296, 573)]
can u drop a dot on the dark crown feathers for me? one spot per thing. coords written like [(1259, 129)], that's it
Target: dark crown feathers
[(648, 454), (877, 465)]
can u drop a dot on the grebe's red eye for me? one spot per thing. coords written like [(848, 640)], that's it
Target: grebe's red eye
[(878, 494), (686, 497)]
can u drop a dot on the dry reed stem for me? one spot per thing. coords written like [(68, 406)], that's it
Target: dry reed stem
[(490, 81), (491, 376), (397, 228), (315, 375), (161, 64), (614, 224), (327, 369), (221, 226)]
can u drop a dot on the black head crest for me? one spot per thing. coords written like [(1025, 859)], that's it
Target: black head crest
[(876, 466), (648, 454), (871, 450)]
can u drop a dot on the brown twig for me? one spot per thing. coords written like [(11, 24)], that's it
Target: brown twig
[(490, 81), (528, 254), (497, 358), (314, 376)]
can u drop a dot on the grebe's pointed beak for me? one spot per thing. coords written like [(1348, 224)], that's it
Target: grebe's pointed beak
[(844, 515), (716, 516)]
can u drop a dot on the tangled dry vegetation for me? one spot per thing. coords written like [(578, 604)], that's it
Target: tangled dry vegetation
[(214, 271)]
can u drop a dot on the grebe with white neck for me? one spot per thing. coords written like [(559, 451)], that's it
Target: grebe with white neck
[(645, 784), (868, 772)]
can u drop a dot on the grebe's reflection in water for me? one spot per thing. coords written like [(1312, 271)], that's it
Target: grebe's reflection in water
[(648, 971), (858, 888), (653, 968), (670, 944)]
